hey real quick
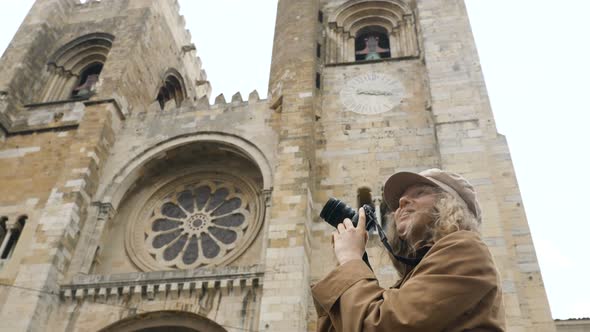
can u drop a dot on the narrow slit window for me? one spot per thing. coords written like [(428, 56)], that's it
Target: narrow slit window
[(318, 80)]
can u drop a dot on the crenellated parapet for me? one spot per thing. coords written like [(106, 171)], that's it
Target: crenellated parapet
[(236, 102)]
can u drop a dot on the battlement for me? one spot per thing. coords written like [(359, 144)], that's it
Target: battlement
[(236, 101)]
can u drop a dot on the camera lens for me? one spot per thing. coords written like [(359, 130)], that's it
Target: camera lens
[(335, 211)]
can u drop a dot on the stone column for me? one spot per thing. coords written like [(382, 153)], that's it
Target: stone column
[(412, 41), (69, 84), (3, 231), (350, 50), (54, 85), (394, 43), (7, 235), (13, 229), (50, 83)]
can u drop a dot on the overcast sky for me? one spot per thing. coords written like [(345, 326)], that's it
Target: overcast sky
[(536, 61)]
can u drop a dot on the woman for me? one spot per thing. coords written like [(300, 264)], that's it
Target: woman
[(449, 281)]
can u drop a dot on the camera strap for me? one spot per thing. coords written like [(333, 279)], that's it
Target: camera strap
[(405, 260)]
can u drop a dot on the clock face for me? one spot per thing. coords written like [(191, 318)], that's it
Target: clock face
[(372, 93)]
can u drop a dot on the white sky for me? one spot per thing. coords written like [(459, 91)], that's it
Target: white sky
[(536, 61)]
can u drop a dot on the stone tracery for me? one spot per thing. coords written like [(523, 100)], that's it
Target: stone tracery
[(197, 220), (196, 225)]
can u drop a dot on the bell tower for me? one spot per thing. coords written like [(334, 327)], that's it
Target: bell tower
[(402, 89)]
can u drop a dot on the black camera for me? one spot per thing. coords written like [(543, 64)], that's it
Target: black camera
[(335, 211)]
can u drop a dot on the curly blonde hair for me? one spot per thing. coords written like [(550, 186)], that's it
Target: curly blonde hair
[(448, 216)]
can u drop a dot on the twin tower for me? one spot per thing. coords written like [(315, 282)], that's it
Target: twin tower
[(129, 202)]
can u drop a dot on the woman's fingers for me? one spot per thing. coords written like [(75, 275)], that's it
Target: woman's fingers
[(341, 228)]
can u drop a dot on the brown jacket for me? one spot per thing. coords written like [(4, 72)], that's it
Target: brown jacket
[(456, 287)]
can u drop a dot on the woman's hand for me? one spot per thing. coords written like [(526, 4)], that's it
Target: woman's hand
[(350, 241)]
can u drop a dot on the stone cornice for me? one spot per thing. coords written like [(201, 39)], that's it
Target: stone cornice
[(55, 115), (151, 284)]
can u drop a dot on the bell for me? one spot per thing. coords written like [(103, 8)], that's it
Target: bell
[(372, 49)]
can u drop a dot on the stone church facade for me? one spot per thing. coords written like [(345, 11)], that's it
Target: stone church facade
[(129, 202)]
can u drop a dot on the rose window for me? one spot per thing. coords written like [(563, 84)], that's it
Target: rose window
[(195, 225)]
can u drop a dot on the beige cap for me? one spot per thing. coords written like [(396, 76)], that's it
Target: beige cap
[(452, 183)]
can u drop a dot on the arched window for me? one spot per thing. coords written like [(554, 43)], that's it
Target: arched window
[(372, 43), (87, 80), (10, 240), (172, 88), (371, 30), (75, 68)]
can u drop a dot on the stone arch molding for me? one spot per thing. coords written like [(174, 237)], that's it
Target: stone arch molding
[(76, 54), (119, 185), (395, 16), (165, 320), (67, 63)]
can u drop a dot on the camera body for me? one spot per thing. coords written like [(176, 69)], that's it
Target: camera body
[(335, 211)]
